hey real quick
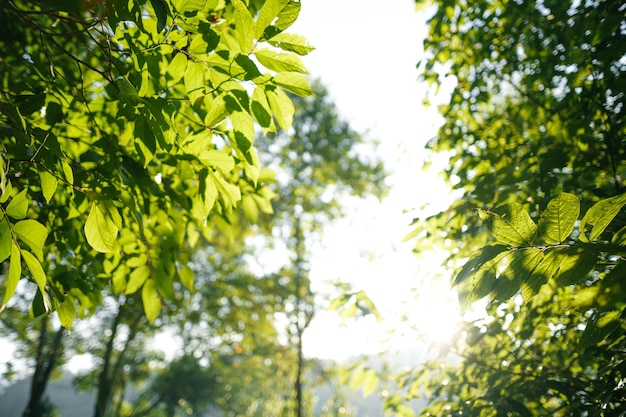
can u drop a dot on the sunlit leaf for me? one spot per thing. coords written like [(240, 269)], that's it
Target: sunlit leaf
[(513, 226), (151, 300), (67, 312), (36, 271), (100, 229), (293, 43), (270, 10), (558, 220), (294, 83), (280, 61), (177, 67), (600, 215), (602, 324), (48, 184), (244, 27), (33, 233), (136, 279), (18, 206), (15, 272), (185, 274)]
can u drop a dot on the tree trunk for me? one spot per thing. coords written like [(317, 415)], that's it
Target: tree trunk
[(44, 365)]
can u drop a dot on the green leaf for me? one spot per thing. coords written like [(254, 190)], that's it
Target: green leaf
[(15, 271), (270, 11), (185, 274), (244, 27), (477, 277), (519, 270), (18, 206), (151, 300), (250, 209), (600, 215), (194, 79), (261, 108), (67, 312), (36, 271), (48, 184), (282, 107), (229, 193), (292, 43), (5, 240), (162, 11), (558, 220), (33, 233), (293, 82), (547, 268), (286, 18), (221, 160), (370, 382), (176, 68), (100, 229), (513, 226), (601, 325), (188, 5), (576, 264), (136, 279), (280, 61)]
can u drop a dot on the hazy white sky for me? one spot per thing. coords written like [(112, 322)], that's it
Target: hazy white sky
[(366, 55)]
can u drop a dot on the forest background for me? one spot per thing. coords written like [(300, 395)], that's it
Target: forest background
[(534, 135)]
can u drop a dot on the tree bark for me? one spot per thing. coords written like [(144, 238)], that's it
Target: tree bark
[(45, 363)]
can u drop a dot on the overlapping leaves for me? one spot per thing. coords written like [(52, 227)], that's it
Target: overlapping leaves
[(124, 144), (529, 256)]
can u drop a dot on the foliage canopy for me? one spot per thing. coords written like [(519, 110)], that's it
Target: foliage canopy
[(128, 134), (536, 137)]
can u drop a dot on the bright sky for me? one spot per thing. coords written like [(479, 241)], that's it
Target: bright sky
[(366, 55)]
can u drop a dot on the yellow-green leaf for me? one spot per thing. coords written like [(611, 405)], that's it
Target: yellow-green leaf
[(48, 184), (151, 300), (280, 61), (293, 43), (176, 68), (33, 233), (270, 10), (282, 107), (294, 82), (67, 312), (18, 206), (100, 229), (15, 271), (136, 279), (36, 271), (244, 27), (186, 277)]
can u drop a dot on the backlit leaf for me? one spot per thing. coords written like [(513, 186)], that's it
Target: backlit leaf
[(36, 271), (18, 206), (280, 61), (100, 229), (136, 279), (293, 43), (15, 271), (270, 10), (558, 220), (67, 312), (513, 226), (600, 215), (33, 233), (293, 82), (48, 184), (177, 67), (244, 27), (282, 107), (151, 300)]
